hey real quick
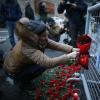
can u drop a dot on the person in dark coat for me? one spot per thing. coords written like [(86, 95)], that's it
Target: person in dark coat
[(29, 12), (12, 13), (75, 9), (43, 11)]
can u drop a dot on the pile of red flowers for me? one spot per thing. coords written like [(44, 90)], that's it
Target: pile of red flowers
[(57, 88)]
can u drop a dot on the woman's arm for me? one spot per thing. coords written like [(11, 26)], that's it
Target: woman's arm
[(59, 46), (38, 57)]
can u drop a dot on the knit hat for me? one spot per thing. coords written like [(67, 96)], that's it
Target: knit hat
[(35, 26)]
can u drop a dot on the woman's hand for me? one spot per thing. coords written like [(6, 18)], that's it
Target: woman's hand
[(76, 49), (73, 55)]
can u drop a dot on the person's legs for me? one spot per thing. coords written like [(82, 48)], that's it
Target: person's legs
[(11, 28), (81, 30), (24, 78), (73, 35), (29, 73)]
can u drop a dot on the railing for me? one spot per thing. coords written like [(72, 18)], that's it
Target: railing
[(91, 77)]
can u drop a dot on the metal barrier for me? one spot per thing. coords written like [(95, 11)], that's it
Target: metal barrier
[(91, 77)]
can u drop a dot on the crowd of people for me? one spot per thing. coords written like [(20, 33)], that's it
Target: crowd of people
[(27, 59)]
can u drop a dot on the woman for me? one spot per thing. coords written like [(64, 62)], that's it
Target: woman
[(27, 59)]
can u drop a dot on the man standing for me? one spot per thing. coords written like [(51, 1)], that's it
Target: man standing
[(75, 9), (43, 11), (11, 12)]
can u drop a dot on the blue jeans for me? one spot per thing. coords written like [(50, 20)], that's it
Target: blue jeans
[(11, 28), (28, 73)]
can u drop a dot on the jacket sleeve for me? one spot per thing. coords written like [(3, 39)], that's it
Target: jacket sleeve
[(61, 8), (38, 57), (59, 46)]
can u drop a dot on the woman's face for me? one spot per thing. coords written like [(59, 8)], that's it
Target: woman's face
[(43, 39)]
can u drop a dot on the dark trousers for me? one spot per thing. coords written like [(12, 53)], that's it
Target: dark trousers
[(11, 28), (28, 73), (75, 33)]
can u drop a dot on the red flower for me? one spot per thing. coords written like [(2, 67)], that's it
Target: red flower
[(50, 98), (43, 82), (84, 59), (61, 65), (50, 91), (38, 94), (53, 81), (65, 97), (58, 88), (57, 73), (75, 96), (83, 43), (63, 83), (56, 94)]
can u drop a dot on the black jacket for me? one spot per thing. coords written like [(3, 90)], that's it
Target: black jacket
[(29, 13), (11, 12), (75, 14)]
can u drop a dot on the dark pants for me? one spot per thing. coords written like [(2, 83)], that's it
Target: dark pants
[(11, 28), (75, 33), (27, 74)]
